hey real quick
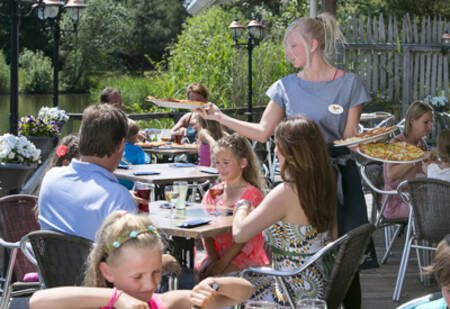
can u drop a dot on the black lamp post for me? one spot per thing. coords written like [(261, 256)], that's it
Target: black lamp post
[(445, 43), (48, 8), (254, 36), (51, 12)]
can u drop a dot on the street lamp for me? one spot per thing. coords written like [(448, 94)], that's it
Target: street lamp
[(254, 36), (46, 9), (51, 12)]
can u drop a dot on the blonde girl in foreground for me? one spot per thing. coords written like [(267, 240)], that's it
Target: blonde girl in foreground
[(124, 271)]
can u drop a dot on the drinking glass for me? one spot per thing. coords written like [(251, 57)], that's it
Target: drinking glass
[(181, 187), (259, 304), (171, 197), (215, 191), (143, 190), (178, 136), (308, 303)]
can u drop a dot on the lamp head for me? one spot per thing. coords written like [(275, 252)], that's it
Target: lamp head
[(445, 43), (236, 30), (75, 7), (255, 29), (50, 9)]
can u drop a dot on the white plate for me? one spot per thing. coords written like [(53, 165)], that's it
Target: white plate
[(386, 161), (174, 104), (365, 140)]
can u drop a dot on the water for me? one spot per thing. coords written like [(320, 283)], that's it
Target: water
[(30, 105)]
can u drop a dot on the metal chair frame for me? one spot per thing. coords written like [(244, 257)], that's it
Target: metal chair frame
[(420, 300), (382, 221)]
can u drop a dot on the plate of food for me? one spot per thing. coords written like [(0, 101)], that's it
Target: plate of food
[(399, 152), (152, 144), (172, 103), (366, 137), (184, 146)]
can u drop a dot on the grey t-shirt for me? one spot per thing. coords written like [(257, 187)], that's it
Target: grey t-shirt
[(326, 103)]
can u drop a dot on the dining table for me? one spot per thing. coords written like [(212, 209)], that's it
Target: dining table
[(168, 150), (184, 237), (166, 173)]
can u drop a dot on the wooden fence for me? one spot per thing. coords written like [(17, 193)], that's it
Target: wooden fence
[(399, 63)]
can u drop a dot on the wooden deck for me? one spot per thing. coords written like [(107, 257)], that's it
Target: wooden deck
[(378, 284)]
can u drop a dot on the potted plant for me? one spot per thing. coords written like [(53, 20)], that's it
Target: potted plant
[(54, 114), (439, 104), (41, 132), (18, 158)]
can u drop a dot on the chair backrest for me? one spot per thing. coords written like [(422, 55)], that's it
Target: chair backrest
[(17, 218), (346, 264), (60, 257), (430, 199)]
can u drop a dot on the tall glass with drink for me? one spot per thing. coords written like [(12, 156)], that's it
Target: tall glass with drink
[(181, 187), (171, 197), (143, 190), (215, 191)]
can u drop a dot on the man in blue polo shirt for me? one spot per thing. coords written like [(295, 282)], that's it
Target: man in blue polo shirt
[(75, 199)]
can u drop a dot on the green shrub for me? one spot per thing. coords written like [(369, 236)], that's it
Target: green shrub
[(36, 72), (4, 74), (205, 53)]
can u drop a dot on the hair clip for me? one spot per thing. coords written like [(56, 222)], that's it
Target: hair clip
[(61, 150), (131, 235)]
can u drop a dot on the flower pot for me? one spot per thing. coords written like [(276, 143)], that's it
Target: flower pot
[(44, 143), (13, 175)]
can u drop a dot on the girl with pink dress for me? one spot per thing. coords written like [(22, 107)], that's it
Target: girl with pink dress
[(241, 178), (418, 123)]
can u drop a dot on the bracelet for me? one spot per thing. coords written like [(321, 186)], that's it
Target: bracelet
[(114, 297), (241, 204)]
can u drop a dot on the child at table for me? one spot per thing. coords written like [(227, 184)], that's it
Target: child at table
[(133, 154), (66, 151), (441, 270), (124, 270), (241, 177), (209, 131), (440, 169)]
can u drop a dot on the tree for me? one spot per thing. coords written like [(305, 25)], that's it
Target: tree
[(153, 25)]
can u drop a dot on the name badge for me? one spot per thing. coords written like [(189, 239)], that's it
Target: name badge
[(335, 109)]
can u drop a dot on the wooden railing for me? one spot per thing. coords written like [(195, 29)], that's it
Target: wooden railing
[(236, 112)]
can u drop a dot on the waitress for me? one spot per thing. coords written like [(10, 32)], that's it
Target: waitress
[(333, 99)]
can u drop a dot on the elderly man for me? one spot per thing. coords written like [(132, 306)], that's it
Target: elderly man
[(111, 96), (75, 199)]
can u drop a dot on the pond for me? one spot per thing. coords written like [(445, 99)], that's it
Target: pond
[(30, 105)]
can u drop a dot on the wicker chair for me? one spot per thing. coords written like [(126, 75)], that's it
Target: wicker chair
[(428, 200), (351, 249), (60, 257), (372, 175), (17, 218)]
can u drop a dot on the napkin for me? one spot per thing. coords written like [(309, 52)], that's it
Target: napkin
[(194, 223), (209, 170), (143, 173), (182, 165)]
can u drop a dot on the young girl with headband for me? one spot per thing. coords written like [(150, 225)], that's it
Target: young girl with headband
[(124, 270)]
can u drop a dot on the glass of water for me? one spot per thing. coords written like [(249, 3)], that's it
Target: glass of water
[(259, 304), (311, 304)]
